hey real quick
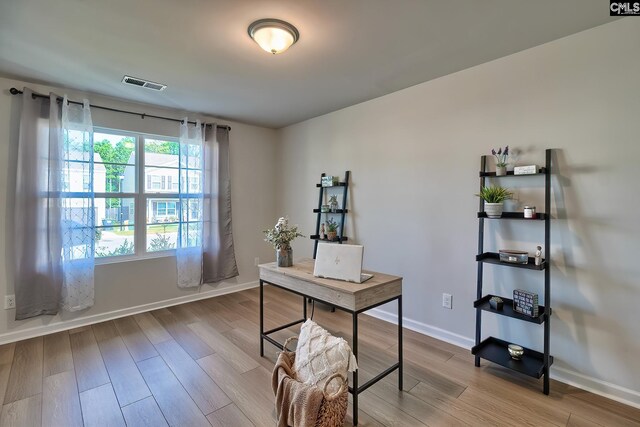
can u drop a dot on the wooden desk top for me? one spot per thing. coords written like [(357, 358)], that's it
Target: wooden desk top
[(352, 296)]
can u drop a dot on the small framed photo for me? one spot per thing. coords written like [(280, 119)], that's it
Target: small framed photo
[(329, 181), (525, 302)]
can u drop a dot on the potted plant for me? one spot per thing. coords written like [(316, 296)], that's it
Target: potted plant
[(494, 197), (281, 237), (332, 229), (333, 202), (501, 160)]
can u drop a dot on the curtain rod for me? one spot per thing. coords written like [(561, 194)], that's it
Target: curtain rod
[(34, 95)]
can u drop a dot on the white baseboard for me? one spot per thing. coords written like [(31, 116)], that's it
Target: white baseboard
[(596, 386), (423, 328), (584, 382), (37, 331)]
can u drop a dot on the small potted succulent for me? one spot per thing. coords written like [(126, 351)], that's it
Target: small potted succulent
[(501, 160), (332, 229), (494, 197), (333, 203), (281, 237)]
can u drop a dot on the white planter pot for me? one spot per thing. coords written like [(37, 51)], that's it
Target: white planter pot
[(501, 170), (493, 210)]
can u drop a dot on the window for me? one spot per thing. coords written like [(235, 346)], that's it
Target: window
[(172, 184), (164, 209), (114, 185), (155, 182), (167, 202), (194, 184)]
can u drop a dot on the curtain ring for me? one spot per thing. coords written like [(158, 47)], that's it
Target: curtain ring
[(142, 116)]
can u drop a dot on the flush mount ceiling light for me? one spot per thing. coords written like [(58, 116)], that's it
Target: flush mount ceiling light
[(273, 35)]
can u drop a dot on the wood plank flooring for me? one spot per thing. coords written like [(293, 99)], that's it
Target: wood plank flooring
[(198, 364)]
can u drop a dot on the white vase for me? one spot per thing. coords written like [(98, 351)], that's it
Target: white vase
[(493, 210), (501, 170)]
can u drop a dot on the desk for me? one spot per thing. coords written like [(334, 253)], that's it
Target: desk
[(353, 298)]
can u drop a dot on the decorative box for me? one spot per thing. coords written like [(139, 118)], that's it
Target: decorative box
[(329, 181), (525, 302), (514, 257), (525, 170), (496, 303)]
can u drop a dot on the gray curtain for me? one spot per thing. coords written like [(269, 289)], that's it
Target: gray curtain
[(37, 231), (219, 259)]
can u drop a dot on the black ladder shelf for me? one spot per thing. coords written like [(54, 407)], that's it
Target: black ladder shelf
[(344, 186), (533, 363)]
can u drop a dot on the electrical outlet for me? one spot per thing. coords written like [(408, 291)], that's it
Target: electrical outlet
[(256, 261), (9, 302), (447, 300)]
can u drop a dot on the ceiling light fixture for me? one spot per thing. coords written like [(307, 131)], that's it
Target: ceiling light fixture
[(273, 35)]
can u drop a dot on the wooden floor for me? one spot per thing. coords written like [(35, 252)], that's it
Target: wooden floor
[(198, 364)]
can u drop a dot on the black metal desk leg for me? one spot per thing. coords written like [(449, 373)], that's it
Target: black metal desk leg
[(354, 348), (400, 363), (261, 318), (304, 307)]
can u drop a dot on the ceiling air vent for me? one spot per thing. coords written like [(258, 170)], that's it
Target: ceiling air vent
[(143, 83)]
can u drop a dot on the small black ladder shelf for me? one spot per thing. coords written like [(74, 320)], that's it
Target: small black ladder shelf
[(533, 363), (343, 186)]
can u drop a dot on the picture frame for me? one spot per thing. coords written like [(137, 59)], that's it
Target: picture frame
[(525, 302)]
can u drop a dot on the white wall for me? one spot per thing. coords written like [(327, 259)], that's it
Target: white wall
[(123, 287), (414, 157)]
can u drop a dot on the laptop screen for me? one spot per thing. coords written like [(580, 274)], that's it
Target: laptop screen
[(342, 262)]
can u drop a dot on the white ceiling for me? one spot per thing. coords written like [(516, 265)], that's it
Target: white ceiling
[(349, 50)]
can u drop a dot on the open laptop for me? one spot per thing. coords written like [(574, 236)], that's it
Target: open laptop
[(342, 262)]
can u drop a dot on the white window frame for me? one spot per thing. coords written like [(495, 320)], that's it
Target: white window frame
[(141, 197)]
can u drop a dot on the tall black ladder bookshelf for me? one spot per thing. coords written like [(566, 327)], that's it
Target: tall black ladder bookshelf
[(344, 186), (534, 363)]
